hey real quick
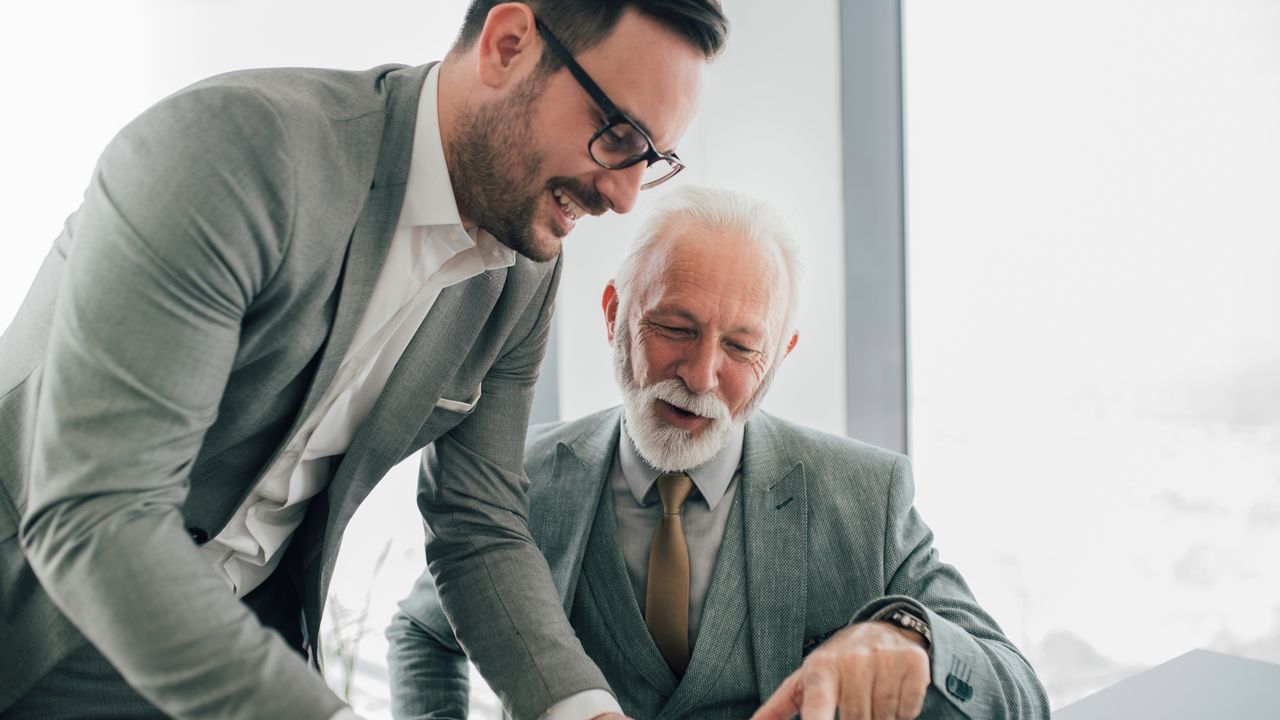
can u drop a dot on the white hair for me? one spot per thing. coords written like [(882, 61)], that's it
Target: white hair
[(724, 210)]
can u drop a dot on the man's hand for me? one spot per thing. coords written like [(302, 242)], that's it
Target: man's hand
[(871, 671)]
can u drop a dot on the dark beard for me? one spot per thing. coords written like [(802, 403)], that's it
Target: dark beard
[(494, 170)]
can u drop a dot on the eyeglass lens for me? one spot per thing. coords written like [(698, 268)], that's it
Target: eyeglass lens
[(622, 145)]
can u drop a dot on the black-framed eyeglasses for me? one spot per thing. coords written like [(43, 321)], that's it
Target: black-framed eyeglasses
[(620, 142)]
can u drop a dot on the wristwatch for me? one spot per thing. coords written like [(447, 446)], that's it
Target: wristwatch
[(904, 618)]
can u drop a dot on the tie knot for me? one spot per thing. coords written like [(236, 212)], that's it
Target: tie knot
[(674, 489)]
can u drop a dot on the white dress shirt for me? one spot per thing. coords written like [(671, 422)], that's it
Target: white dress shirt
[(429, 252)]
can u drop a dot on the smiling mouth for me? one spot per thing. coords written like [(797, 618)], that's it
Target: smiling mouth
[(680, 415), (571, 208), (682, 412)]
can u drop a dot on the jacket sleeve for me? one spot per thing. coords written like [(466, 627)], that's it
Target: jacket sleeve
[(429, 677), (977, 672), (186, 219), (494, 584)]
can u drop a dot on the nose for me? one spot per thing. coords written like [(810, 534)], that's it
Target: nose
[(700, 366), (620, 187)]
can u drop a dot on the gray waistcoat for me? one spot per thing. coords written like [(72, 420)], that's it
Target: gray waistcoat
[(721, 678)]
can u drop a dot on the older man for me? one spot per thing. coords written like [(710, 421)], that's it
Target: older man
[(702, 549), (280, 283)]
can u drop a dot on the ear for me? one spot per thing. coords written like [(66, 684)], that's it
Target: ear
[(609, 303), (791, 344), (508, 46)]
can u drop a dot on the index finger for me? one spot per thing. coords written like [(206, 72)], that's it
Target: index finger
[(821, 678), (784, 703)]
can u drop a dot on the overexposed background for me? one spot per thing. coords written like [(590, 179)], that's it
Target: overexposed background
[(1093, 227), (1093, 192)]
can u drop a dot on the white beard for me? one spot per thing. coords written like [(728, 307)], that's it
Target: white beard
[(665, 447)]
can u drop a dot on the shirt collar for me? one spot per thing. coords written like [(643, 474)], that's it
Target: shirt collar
[(711, 477), (428, 192)]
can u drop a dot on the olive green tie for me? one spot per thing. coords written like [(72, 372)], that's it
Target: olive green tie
[(666, 599)]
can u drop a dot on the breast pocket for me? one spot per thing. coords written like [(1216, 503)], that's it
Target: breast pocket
[(448, 412), (460, 406)]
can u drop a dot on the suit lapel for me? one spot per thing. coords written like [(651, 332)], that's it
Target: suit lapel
[(562, 507), (415, 383), (373, 231), (777, 521), (723, 616), (609, 582), (370, 240)]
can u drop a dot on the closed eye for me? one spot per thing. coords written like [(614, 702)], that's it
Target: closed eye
[(672, 330)]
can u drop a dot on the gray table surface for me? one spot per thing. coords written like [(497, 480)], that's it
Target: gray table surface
[(1200, 685)]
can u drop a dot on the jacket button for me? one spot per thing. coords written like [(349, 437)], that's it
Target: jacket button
[(959, 688), (198, 535)]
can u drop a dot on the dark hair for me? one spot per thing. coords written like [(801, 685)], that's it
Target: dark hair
[(580, 24)]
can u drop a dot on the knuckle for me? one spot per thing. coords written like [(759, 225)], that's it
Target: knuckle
[(821, 695), (820, 664)]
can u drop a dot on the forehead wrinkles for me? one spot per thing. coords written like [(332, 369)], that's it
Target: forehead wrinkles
[(716, 275)]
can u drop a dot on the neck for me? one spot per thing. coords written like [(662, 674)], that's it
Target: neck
[(450, 102)]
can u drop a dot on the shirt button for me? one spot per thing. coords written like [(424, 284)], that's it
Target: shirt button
[(198, 535)]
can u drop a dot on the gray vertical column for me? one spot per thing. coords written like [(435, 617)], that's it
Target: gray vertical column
[(875, 245), (546, 394)]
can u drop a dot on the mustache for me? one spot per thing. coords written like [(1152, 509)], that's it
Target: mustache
[(675, 393), (587, 197)]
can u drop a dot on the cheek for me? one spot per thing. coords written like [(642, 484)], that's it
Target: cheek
[(562, 143), (738, 386), (652, 360), (740, 383)]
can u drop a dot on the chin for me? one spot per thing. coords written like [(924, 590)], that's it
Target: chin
[(544, 251), (537, 246), (545, 240)]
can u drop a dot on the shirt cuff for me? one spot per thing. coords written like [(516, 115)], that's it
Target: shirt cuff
[(345, 713), (583, 706)]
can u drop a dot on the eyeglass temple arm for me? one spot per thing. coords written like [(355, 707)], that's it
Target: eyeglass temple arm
[(566, 58)]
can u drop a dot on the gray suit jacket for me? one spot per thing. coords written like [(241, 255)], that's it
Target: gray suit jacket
[(830, 535), (191, 314)]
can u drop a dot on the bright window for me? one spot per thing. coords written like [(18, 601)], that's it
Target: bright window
[(1093, 192)]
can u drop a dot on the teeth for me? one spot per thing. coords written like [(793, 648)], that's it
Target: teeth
[(569, 205)]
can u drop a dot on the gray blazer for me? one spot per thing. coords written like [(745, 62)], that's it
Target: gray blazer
[(191, 314), (830, 535)]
